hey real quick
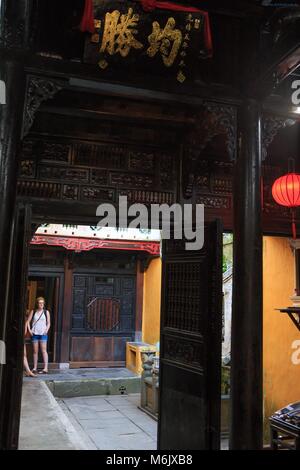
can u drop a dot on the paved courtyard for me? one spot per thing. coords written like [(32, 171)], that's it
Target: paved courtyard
[(44, 426), (103, 422), (111, 422)]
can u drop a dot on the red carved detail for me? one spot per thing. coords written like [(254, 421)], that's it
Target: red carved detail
[(79, 244)]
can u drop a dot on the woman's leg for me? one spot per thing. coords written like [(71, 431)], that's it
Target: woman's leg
[(26, 365), (35, 346), (43, 345)]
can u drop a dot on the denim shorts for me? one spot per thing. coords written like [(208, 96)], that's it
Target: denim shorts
[(37, 338)]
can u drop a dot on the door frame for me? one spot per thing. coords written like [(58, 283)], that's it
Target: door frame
[(56, 273)]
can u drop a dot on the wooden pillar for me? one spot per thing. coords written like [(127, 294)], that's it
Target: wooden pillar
[(12, 372), (246, 350), (14, 36), (67, 312), (139, 301), (11, 72)]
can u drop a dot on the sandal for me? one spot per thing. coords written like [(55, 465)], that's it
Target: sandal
[(34, 371), (43, 372)]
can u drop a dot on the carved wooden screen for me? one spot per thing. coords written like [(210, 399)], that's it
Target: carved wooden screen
[(103, 314), (103, 303), (191, 334), (94, 172)]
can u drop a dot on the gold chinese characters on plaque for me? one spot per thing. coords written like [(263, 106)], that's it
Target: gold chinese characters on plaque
[(162, 43)]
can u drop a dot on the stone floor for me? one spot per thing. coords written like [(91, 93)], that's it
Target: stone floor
[(111, 422), (44, 426), (90, 382), (104, 422)]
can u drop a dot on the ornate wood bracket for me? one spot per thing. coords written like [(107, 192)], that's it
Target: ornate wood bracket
[(216, 119), (270, 128), (225, 122), (39, 89)]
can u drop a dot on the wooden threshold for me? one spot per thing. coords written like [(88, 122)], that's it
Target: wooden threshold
[(96, 364)]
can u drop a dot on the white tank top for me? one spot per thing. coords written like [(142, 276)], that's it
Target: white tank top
[(39, 323)]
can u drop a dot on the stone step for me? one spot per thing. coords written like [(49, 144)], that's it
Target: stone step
[(80, 387)]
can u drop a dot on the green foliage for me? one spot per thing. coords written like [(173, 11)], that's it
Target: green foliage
[(225, 380), (227, 250)]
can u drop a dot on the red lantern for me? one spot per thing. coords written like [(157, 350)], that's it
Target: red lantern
[(286, 192)]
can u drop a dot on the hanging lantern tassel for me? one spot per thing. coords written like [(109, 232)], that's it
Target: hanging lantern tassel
[(286, 192)]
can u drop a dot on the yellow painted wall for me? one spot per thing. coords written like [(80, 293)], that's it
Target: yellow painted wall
[(151, 302), (281, 376)]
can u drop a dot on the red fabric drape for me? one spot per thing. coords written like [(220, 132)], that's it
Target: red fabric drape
[(87, 22), (150, 5)]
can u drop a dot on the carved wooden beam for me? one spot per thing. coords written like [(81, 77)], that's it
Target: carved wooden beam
[(270, 128), (216, 119), (283, 45), (225, 119), (39, 89)]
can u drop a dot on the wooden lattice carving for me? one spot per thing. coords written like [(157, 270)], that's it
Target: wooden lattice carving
[(103, 314)]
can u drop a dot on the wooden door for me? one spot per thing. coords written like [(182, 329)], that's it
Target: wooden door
[(103, 318), (191, 329)]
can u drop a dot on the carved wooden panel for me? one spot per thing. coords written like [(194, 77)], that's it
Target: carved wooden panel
[(66, 174), (184, 351), (116, 262), (184, 283), (40, 257), (61, 169), (214, 189), (96, 171), (103, 314), (39, 189), (102, 156), (149, 197), (103, 303)]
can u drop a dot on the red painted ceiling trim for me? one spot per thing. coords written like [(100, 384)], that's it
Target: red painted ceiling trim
[(79, 244)]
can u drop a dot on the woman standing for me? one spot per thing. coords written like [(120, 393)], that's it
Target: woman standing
[(40, 325), (27, 335)]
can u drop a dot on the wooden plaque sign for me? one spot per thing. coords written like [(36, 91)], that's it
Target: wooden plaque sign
[(129, 40)]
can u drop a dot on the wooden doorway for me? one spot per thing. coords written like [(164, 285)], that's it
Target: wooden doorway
[(191, 335), (49, 286)]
